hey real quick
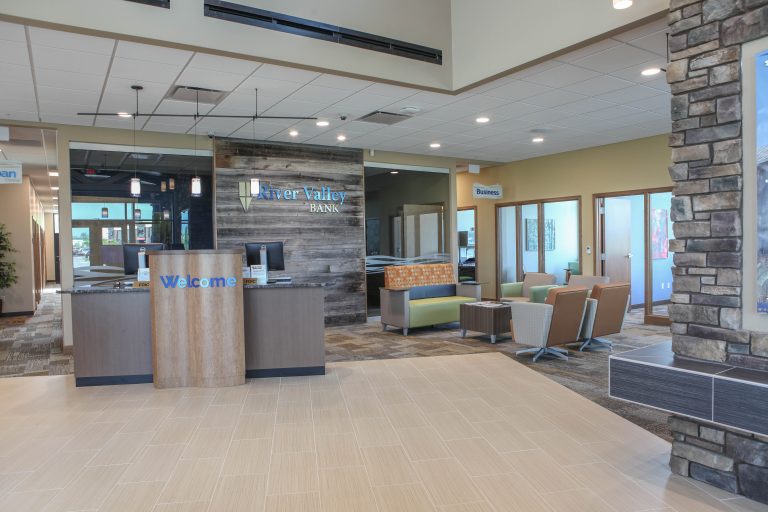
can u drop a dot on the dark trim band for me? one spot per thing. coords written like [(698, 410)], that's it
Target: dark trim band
[(285, 372), (112, 380)]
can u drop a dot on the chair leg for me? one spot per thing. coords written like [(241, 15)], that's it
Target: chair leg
[(538, 352), (598, 343), (405, 331), (384, 327)]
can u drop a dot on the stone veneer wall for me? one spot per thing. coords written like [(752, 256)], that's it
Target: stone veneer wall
[(704, 73)]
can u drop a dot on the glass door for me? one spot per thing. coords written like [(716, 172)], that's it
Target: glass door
[(530, 260), (561, 239), (660, 258), (466, 225)]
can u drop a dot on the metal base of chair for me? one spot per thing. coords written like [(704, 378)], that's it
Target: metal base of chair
[(598, 343), (541, 351)]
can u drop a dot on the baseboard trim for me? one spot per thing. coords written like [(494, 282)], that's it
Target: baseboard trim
[(17, 313), (285, 372), (112, 380)]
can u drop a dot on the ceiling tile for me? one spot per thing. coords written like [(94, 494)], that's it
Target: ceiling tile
[(83, 98), (516, 90), (592, 49), (341, 82), (138, 51), (222, 64), (554, 98), (636, 92), (618, 57), (146, 70), (16, 73), (12, 32), (599, 85), (13, 52), (320, 95), (71, 41), (205, 79), (74, 61), (659, 25), (287, 74), (585, 105), (655, 43), (562, 75), (69, 80)]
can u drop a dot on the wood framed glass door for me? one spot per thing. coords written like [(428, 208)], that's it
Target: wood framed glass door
[(632, 234)]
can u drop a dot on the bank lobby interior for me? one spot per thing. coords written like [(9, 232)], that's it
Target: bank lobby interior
[(383, 256)]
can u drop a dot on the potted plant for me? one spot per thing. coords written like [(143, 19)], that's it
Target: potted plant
[(8, 276)]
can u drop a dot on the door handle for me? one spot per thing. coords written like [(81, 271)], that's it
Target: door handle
[(629, 255)]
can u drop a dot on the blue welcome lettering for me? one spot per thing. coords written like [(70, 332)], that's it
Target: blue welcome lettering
[(169, 281)]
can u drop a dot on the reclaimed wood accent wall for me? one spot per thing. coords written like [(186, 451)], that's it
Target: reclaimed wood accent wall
[(323, 236)]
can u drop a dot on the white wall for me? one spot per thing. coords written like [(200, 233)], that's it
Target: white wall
[(492, 36), (50, 258)]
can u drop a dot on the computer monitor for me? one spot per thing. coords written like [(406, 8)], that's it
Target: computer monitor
[(274, 254), (131, 256)]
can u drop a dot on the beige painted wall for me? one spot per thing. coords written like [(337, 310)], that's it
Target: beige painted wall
[(16, 214), (632, 165), (50, 258), (492, 36), (425, 22)]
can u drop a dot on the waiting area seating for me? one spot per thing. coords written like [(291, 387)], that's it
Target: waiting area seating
[(533, 288), (423, 295), (587, 281), (606, 309), (547, 326)]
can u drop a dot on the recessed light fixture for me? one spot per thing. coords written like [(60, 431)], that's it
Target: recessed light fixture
[(482, 119), (124, 114), (54, 188), (650, 71), (293, 133), (622, 4), (394, 172), (435, 145), (537, 139), (341, 137), (53, 173), (322, 123)]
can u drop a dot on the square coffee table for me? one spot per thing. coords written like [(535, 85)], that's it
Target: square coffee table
[(491, 318)]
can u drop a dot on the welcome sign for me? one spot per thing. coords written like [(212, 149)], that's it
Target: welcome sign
[(480, 191), (10, 172), (321, 200)]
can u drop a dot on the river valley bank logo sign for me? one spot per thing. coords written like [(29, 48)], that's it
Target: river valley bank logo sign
[(321, 200), (10, 172)]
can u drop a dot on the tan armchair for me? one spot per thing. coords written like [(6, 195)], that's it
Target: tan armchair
[(587, 281), (606, 309), (547, 326)]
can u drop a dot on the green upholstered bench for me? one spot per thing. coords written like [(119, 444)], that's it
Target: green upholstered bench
[(436, 310), (422, 306)]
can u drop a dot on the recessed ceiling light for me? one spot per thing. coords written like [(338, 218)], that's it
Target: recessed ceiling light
[(537, 139), (482, 119), (53, 173), (293, 133), (124, 114), (622, 4), (435, 145), (341, 137), (650, 71), (394, 172), (54, 188), (322, 123)]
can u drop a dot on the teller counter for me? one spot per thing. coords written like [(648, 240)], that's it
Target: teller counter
[(112, 332)]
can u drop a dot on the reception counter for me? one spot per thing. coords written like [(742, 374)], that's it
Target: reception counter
[(112, 331)]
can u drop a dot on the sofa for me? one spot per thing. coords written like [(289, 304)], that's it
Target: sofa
[(533, 288), (423, 295)]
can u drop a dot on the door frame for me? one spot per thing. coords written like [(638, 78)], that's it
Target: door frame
[(477, 260), (649, 317), (519, 232)]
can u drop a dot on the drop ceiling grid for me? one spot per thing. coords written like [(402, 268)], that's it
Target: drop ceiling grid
[(589, 97)]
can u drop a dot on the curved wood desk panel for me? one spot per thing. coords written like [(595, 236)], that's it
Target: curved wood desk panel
[(197, 318)]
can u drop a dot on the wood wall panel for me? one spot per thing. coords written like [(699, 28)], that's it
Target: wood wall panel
[(324, 248)]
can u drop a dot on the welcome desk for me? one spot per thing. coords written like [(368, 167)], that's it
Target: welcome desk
[(137, 335)]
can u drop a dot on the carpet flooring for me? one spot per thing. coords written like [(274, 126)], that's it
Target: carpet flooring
[(31, 345)]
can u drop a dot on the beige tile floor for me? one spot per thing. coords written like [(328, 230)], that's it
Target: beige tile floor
[(465, 433)]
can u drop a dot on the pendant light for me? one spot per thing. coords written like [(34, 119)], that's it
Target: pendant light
[(166, 214), (171, 184), (255, 184), (137, 214), (104, 212), (196, 188), (135, 182), (162, 186)]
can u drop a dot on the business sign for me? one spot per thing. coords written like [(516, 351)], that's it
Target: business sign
[(486, 191), (177, 281), (10, 171), (321, 200)]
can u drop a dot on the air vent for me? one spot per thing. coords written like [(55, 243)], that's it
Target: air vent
[(381, 117), (157, 3), (193, 94), (308, 28)]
